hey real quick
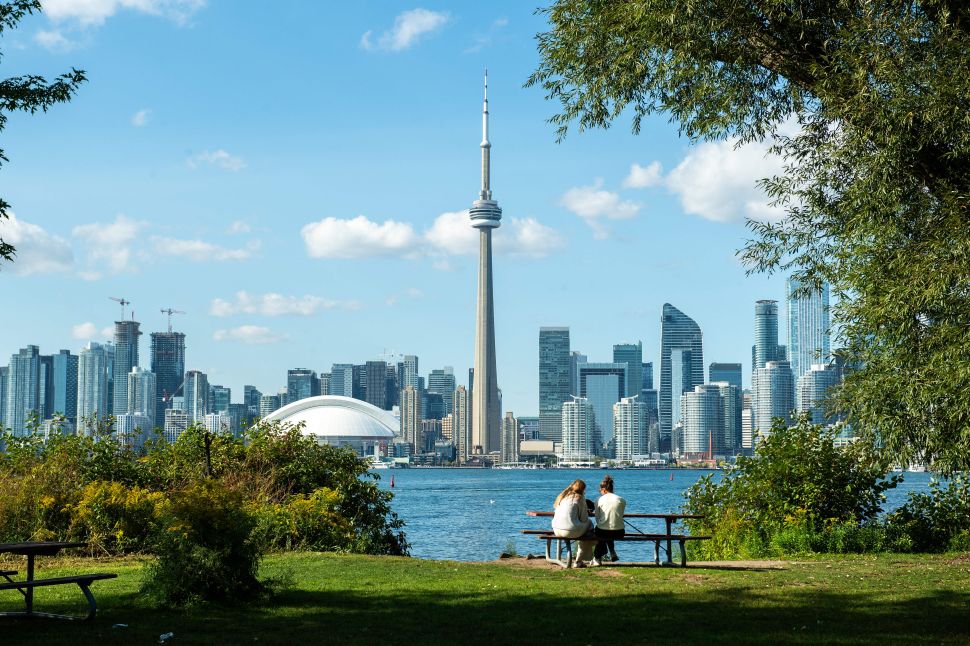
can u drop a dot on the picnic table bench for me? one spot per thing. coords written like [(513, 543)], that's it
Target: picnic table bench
[(665, 540), (27, 585)]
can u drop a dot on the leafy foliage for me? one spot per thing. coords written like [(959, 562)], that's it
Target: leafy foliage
[(935, 521), (875, 188), (28, 93), (800, 492)]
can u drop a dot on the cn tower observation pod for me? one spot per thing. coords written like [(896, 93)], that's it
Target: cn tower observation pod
[(339, 421)]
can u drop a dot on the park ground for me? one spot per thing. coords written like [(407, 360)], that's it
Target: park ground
[(332, 598)]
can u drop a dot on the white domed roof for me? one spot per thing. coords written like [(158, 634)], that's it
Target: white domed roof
[(333, 416)]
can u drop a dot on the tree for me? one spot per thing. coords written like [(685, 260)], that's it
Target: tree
[(28, 93), (877, 175)]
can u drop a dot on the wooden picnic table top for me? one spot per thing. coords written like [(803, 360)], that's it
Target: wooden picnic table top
[(664, 516), (43, 548)]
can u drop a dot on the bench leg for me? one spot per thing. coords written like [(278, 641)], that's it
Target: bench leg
[(569, 553), (548, 550), (92, 604), (656, 552), (683, 553)]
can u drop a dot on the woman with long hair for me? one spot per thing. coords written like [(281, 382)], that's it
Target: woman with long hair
[(609, 521), (571, 520)]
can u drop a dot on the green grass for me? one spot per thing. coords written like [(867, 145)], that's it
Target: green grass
[(326, 598)]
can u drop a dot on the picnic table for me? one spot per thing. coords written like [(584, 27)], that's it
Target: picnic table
[(667, 537), (26, 586)]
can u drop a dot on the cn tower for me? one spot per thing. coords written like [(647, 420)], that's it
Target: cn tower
[(485, 215)]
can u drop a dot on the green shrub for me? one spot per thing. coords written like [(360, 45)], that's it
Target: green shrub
[(113, 518), (799, 493), (937, 521), (204, 547)]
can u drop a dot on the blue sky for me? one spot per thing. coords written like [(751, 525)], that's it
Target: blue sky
[(293, 175)]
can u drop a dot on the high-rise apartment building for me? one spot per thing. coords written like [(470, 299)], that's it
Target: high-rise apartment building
[(196, 391), (603, 384), (555, 384), (376, 384), (132, 429), (630, 428), (65, 367), (681, 366), (408, 372), (251, 396), (342, 379), (268, 404), (632, 355), (301, 383), (176, 421), (45, 388), (95, 381), (813, 390), (729, 442), (448, 427), (325, 383), (510, 439), (217, 423), (747, 423), (411, 417), (4, 378), (142, 384), (168, 364), (462, 424), (774, 396), (646, 376), (219, 398), (579, 434), (766, 346), (703, 421), (23, 390), (730, 373), (808, 326), (126, 358)]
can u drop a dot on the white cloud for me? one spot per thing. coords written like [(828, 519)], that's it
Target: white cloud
[(644, 176), (38, 252), (272, 304), (218, 158), (412, 293), (358, 237), (54, 40), (239, 226), (718, 181), (249, 334), (484, 40), (594, 204), (199, 250), (108, 245), (140, 118), (409, 27), (87, 331), (88, 13), (451, 234)]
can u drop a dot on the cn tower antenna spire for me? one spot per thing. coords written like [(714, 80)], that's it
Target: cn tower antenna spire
[(486, 193)]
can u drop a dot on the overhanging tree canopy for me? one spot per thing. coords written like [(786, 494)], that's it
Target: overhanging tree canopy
[(877, 178)]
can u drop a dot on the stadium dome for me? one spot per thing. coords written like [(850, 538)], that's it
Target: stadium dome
[(338, 420)]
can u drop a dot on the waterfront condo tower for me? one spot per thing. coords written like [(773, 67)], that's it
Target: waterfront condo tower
[(485, 215)]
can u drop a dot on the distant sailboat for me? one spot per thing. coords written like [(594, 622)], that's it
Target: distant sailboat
[(392, 482), (671, 477)]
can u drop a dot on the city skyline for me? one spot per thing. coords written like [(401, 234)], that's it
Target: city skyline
[(293, 214)]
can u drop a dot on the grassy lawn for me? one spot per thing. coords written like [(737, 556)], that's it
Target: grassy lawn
[(326, 598)]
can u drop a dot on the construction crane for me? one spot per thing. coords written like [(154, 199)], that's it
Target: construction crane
[(170, 311), (123, 303)]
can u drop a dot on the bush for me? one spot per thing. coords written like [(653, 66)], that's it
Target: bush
[(204, 547), (799, 493), (937, 521), (115, 519)]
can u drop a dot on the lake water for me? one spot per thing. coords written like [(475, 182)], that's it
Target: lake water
[(472, 514)]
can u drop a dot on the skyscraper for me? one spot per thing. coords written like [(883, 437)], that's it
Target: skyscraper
[(126, 358), (65, 385), (4, 377), (555, 383), (219, 398), (647, 376), (23, 390), (730, 373), (813, 390), (45, 388), (267, 404), (132, 429), (411, 417), (168, 364), (325, 383), (176, 421), (602, 385), (681, 366), (729, 442), (408, 371), (773, 397), (808, 326), (142, 384), (485, 215), (703, 420), (376, 384), (766, 346), (251, 396), (632, 355), (576, 359), (442, 382), (510, 438), (94, 385), (196, 391), (461, 428), (630, 428), (578, 430), (342, 379), (301, 383)]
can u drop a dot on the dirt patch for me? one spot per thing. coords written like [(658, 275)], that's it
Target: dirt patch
[(963, 559)]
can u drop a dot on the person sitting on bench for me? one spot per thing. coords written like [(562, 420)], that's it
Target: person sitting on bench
[(572, 521), (609, 521)]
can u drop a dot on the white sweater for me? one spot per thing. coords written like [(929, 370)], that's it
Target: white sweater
[(570, 514), (609, 511)]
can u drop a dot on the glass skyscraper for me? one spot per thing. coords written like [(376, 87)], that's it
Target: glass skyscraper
[(554, 380), (342, 379), (95, 381), (632, 355), (4, 375), (808, 326), (23, 390), (375, 380), (766, 346), (126, 358), (602, 385), (578, 430), (703, 421), (774, 396), (813, 390), (442, 381), (65, 385), (219, 398), (681, 366), (630, 423), (142, 384), (168, 364), (301, 383), (196, 391)]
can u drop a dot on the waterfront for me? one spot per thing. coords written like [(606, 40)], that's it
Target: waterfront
[(472, 514)]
